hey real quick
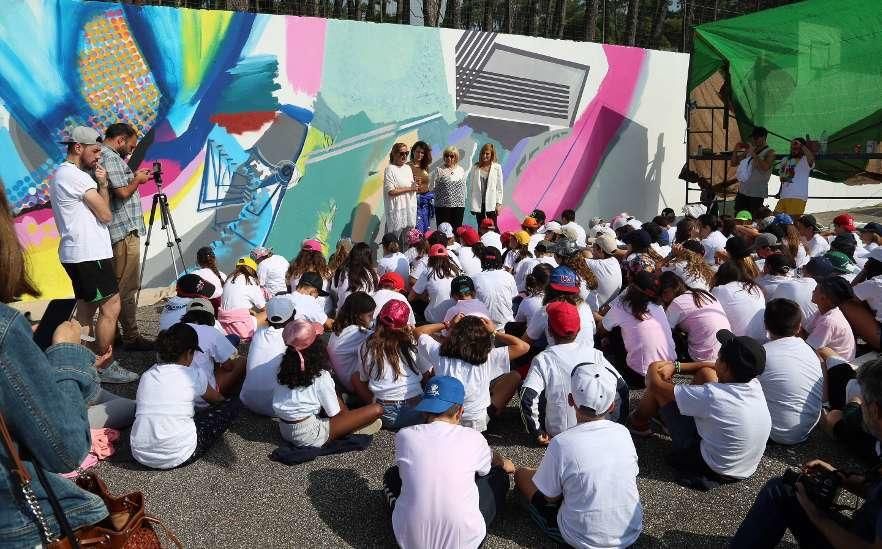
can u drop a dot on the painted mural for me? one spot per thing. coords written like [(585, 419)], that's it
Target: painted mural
[(271, 129)]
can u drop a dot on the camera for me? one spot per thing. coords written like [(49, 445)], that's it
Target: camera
[(821, 486), (157, 172)]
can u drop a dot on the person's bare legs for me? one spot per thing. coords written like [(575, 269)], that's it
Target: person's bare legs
[(105, 326), (862, 321), (829, 420), (85, 315), (523, 478), (352, 420), (503, 389), (229, 376)]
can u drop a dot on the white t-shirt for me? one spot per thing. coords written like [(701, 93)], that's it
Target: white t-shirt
[(173, 310), (871, 292), (550, 372), (535, 239), (528, 307), (648, 340), (579, 230), (769, 283), (301, 402), (387, 387), (496, 289), (394, 263), (714, 242), (594, 467), (521, 269), (343, 352), (831, 329), (609, 278), (799, 290), (83, 237), (307, 308), (793, 384), (208, 275), (471, 265), (325, 302), (238, 294), (475, 378), (817, 246), (701, 325), (264, 356), (467, 307), (797, 187), (744, 307), (537, 326), (164, 435), (493, 239), (733, 422), (383, 296), (216, 349), (438, 505), (271, 274), (439, 295), (342, 290), (679, 269)]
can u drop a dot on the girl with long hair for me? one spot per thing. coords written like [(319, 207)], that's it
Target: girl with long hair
[(306, 388), (420, 160), (687, 262), (791, 244), (741, 298), (393, 261), (695, 312), (485, 184), (351, 327), (208, 271), (341, 253), (310, 259), (687, 229), (478, 355), (357, 274), (433, 284), (534, 287), (388, 372), (243, 301)]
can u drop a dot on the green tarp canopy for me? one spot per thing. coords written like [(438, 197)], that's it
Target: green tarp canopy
[(805, 68)]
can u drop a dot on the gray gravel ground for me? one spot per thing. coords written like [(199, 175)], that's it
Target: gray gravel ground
[(236, 497)]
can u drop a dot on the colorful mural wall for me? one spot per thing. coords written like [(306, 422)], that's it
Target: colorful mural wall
[(271, 129)]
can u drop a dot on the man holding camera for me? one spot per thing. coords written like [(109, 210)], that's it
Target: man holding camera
[(804, 502), (127, 225)]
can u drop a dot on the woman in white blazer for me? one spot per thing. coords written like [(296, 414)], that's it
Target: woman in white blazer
[(485, 185)]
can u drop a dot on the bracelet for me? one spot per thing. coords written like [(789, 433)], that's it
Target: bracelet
[(676, 366)]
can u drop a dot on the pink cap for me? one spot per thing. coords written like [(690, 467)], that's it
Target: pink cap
[(300, 334), (414, 235), (312, 245), (438, 250), (394, 314)]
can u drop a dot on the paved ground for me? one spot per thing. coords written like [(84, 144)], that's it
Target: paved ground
[(236, 497)]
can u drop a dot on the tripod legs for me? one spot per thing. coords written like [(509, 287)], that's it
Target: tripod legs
[(167, 224)]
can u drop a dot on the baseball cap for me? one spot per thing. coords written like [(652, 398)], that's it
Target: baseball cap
[(248, 262), (569, 231), (279, 309), (846, 221), (638, 239), (743, 355), (872, 227), (311, 245), (82, 135), (441, 393), (738, 248), (300, 334), (694, 210), (462, 285), (392, 279), (487, 223), (313, 280), (783, 219), (389, 238), (523, 237), (552, 227), (394, 314), (438, 250), (563, 318), (566, 247), (530, 223), (564, 279), (469, 236), (192, 285), (778, 263), (818, 267), (836, 287), (840, 262), (607, 243), (809, 221), (447, 229), (186, 334), (201, 304), (744, 215), (765, 239), (619, 221), (413, 236), (593, 386)]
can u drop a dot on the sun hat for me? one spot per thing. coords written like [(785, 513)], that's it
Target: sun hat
[(393, 279), (247, 262), (569, 231), (846, 221), (565, 247), (299, 335), (462, 285), (523, 237), (279, 309), (564, 279), (563, 318), (530, 223), (783, 219), (552, 227), (441, 393), (840, 262), (394, 314), (607, 243), (809, 221), (438, 250), (818, 267), (469, 236), (447, 229), (744, 215), (872, 227), (593, 386), (487, 223), (311, 245), (765, 240), (413, 236)]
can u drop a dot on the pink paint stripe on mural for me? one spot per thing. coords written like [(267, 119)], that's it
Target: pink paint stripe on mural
[(305, 53), (559, 176)]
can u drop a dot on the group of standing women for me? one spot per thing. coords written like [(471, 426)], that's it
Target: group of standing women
[(414, 194)]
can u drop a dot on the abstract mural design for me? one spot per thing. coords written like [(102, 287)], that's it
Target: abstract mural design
[(271, 129)]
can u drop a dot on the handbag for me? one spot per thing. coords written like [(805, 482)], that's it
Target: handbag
[(127, 526)]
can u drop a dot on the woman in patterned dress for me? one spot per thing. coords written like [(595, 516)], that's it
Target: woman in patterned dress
[(448, 182)]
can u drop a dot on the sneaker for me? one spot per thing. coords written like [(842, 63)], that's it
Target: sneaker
[(370, 429), (114, 373), (139, 344), (639, 429)]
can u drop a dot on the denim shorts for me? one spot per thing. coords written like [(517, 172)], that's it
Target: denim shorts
[(400, 414)]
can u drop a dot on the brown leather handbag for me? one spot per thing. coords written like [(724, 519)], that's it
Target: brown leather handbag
[(127, 525)]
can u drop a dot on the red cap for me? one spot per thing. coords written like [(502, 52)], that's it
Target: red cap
[(563, 318), (530, 223), (505, 238), (846, 221), (469, 236), (394, 314), (438, 250), (487, 223), (392, 279)]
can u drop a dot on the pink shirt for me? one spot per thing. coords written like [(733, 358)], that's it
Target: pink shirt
[(832, 330), (646, 340), (700, 324)]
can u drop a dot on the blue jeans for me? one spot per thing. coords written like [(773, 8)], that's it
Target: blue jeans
[(399, 415)]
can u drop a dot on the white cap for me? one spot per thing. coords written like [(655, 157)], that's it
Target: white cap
[(570, 232), (634, 222), (694, 210), (552, 227), (593, 386), (619, 221), (84, 136), (447, 229), (200, 304), (279, 309), (600, 230)]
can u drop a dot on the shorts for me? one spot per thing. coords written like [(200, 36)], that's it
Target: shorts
[(850, 431), (791, 206), (686, 455), (312, 431), (478, 424), (93, 281)]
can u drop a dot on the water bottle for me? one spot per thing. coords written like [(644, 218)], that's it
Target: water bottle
[(823, 142)]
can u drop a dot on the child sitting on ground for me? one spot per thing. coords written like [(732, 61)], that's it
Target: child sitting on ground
[(829, 328), (351, 327), (306, 388), (265, 355), (391, 287), (188, 287), (307, 297), (243, 301), (462, 289), (495, 287), (393, 261), (218, 358)]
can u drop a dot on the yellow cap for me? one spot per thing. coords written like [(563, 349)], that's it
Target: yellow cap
[(523, 237), (248, 262)]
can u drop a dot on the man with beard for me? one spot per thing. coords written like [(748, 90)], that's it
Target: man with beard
[(794, 172)]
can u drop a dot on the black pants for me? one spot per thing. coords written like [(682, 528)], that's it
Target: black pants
[(211, 423), (450, 215), (480, 216), (837, 379), (492, 489), (750, 203)]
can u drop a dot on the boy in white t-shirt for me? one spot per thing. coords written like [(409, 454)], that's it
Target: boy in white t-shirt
[(550, 374), (188, 287), (219, 359), (306, 303), (449, 502), (264, 356), (584, 493), (719, 425), (495, 287)]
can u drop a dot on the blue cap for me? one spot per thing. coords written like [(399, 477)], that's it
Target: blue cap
[(783, 219), (818, 267), (441, 393), (564, 279)]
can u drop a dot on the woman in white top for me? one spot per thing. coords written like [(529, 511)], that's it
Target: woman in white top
[(741, 298), (209, 272), (388, 371), (243, 301), (448, 182), (351, 327), (485, 185), (306, 388), (433, 284), (400, 191), (357, 274)]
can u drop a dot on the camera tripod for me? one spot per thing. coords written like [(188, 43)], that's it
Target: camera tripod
[(167, 224)]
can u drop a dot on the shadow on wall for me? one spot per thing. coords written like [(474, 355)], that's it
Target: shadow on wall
[(363, 225)]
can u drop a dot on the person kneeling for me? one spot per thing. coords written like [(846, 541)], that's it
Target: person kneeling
[(584, 493), (444, 502), (306, 388)]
